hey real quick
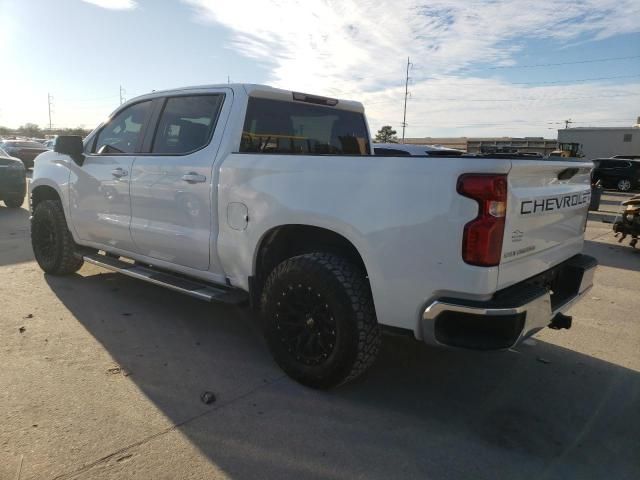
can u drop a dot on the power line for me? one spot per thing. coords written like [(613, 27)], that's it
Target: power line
[(575, 80), (535, 65)]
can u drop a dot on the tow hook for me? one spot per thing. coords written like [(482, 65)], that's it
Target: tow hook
[(561, 321)]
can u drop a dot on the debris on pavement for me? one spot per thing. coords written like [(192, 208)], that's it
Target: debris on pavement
[(208, 397), (29, 316), (21, 329), (543, 360)]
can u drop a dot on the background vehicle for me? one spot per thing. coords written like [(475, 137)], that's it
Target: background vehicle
[(568, 150), (245, 192), (403, 149), (13, 182), (25, 150), (628, 157), (623, 175)]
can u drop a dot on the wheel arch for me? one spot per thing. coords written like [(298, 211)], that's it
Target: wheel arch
[(289, 240), (43, 192)]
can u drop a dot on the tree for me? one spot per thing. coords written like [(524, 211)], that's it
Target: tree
[(386, 135), (30, 130)]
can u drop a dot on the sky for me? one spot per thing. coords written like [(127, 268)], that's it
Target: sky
[(478, 67)]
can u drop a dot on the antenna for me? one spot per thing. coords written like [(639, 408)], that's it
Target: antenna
[(567, 123), (122, 92), (406, 94)]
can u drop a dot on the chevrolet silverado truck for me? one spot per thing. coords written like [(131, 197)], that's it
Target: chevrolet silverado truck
[(250, 194)]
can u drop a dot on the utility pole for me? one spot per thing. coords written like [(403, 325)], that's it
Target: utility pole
[(228, 79), (406, 94), (49, 102), (122, 92), (567, 123)]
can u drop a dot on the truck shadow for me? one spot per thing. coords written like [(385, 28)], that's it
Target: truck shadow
[(544, 411)]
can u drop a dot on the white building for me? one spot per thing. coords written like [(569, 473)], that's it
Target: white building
[(603, 142)]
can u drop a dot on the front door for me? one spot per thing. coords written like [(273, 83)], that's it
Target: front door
[(100, 199), (171, 190)]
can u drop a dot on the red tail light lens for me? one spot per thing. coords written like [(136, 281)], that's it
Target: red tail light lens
[(482, 238)]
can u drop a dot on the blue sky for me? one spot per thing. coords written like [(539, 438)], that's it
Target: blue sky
[(469, 75)]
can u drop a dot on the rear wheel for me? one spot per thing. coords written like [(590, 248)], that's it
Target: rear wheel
[(319, 319), (624, 185), (14, 201), (52, 243)]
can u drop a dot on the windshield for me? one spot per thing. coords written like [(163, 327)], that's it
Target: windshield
[(3, 153)]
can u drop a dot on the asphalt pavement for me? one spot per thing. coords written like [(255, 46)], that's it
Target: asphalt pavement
[(102, 378)]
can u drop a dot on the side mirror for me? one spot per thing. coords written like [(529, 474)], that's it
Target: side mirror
[(70, 145)]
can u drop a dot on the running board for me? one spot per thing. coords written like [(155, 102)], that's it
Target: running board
[(194, 288)]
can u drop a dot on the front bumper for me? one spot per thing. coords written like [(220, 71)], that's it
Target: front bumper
[(513, 314)]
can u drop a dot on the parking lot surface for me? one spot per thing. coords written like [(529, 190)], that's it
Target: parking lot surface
[(102, 377)]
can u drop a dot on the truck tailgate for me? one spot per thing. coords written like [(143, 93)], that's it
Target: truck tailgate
[(547, 206)]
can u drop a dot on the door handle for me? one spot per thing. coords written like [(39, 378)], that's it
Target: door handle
[(119, 172), (193, 177)]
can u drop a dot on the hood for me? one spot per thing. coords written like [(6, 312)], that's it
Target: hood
[(6, 161)]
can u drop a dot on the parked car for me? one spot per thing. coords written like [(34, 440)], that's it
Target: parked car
[(25, 150), (628, 157), (50, 143), (13, 182), (618, 173), (249, 193), (404, 149)]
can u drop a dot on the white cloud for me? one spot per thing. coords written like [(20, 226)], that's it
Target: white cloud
[(357, 49), (114, 4)]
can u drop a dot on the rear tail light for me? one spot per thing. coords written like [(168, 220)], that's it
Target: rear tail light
[(482, 238)]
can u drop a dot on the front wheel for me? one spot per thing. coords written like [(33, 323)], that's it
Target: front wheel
[(624, 185), (52, 243), (319, 319)]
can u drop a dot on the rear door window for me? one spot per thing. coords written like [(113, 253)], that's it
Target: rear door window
[(275, 126), (186, 124)]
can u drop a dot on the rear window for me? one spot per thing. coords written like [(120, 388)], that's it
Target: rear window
[(274, 126)]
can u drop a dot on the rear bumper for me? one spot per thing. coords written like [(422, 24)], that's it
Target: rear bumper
[(13, 185), (513, 314)]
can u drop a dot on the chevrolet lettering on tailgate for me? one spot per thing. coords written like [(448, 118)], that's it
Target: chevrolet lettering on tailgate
[(549, 204)]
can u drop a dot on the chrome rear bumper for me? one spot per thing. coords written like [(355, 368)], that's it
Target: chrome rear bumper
[(512, 314)]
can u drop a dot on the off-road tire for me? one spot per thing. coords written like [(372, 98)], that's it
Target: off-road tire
[(51, 240), (344, 294), (14, 201)]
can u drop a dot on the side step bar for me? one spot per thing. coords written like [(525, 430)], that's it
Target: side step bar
[(195, 288)]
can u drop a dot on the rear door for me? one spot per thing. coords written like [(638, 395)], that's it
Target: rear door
[(546, 213), (100, 204), (172, 193)]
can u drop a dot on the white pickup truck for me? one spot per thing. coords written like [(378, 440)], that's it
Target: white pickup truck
[(248, 193)]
